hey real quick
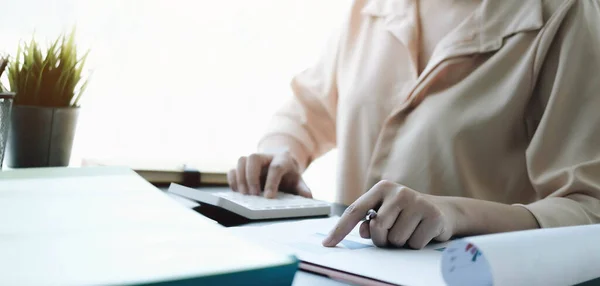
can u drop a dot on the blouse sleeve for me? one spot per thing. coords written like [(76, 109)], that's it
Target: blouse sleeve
[(564, 154)]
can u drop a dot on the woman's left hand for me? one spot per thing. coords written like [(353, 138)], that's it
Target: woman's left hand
[(404, 217)]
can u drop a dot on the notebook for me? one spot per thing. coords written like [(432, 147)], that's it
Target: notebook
[(108, 226), (165, 172)]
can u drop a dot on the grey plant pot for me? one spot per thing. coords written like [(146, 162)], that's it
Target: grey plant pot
[(41, 136)]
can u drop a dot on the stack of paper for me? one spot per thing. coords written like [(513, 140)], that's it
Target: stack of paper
[(107, 226)]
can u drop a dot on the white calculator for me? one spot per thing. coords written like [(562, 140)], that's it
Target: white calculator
[(256, 207)]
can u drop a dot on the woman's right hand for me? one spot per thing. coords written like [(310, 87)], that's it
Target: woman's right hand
[(269, 172)]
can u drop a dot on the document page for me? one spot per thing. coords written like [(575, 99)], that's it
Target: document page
[(354, 254)]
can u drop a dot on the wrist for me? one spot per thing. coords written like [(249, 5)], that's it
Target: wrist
[(460, 216), (476, 217), (456, 218), (453, 215)]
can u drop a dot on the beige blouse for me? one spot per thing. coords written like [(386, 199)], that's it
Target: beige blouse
[(506, 109)]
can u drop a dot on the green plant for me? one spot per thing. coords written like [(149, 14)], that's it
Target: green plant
[(50, 81)]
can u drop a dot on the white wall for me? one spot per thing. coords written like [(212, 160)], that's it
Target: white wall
[(162, 68)]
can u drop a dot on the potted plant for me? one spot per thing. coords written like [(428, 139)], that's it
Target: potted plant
[(47, 87)]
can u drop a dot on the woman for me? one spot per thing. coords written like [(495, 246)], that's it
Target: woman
[(453, 117)]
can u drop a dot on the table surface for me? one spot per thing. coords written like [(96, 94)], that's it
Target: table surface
[(229, 219)]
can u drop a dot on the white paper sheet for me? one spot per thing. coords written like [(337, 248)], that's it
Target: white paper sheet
[(554, 256), (354, 254)]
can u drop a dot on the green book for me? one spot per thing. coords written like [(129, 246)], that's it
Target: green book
[(109, 226)]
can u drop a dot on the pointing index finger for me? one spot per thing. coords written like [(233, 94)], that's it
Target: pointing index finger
[(354, 214)]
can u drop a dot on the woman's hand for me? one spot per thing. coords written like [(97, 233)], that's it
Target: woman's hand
[(404, 217), (278, 171)]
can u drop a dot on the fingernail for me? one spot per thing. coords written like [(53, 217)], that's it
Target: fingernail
[(271, 194), (327, 241)]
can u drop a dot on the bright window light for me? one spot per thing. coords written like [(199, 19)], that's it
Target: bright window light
[(182, 81)]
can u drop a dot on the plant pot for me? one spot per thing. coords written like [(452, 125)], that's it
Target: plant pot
[(41, 136)]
